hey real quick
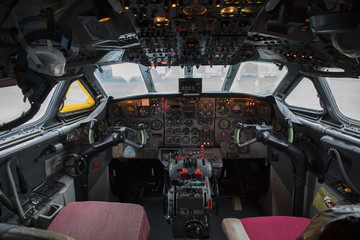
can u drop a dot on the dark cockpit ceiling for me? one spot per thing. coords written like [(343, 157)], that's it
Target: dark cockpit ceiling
[(212, 32)]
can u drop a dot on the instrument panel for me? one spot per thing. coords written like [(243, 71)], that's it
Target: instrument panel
[(192, 121)]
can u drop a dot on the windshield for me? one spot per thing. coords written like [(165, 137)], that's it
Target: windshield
[(259, 78), (120, 80), (12, 104)]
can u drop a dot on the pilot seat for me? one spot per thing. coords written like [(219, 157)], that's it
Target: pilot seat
[(339, 222), (102, 220)]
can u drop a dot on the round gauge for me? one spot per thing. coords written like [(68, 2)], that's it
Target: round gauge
[(177, 139), (144, 111), (277, 127), (224, 124), (186, 140), (169, 139), (189, 123), (177, 122), (129, 110), (186, 131), (200, 121), (194, 131), (208, 113), (156, 109), (223, 110), (169, 131), (200, 106), (116, 111), (210, 106), (170, 123), (223, 136), (156, 124), (194, 140), (177, 131), (209, 121), (237, 108), (201, 113)]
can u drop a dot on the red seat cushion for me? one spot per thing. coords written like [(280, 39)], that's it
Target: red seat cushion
[(274, 228), (102, 220)]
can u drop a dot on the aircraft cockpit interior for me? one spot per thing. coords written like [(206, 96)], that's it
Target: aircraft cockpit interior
[(179, 119)]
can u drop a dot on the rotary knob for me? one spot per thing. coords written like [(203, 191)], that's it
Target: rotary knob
[(194, 229)]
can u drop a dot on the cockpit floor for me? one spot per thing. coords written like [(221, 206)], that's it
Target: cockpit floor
[(161, 230)]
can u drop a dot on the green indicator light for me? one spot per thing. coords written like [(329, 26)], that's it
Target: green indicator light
[(197, 182)]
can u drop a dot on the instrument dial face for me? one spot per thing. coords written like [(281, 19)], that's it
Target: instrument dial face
[(186, 140), (144, 111), (194, 140), (223, 136), (224, 124), (237, 108), (189, 123), (129, 110), (210, 106), (170, 123), (223, 110), (194, 131), (186, 131), (116, 111), (200, 106), (156, 124)]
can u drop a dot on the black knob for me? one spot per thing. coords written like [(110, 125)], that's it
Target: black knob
[(194, 229)]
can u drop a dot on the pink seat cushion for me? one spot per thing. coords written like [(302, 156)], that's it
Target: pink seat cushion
[(102, 220), (274, 228)]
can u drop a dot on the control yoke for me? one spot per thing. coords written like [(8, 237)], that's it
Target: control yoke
[(296, 155), (77, 164), (259, 129)]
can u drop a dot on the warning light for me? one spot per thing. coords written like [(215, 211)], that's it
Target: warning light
[(173, 5), (288, 55), (126, 7), (310, 57), (302, 56), (163, 63), (295, 55)]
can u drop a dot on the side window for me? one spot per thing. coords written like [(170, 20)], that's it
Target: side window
[(304, 95), (77, 98)]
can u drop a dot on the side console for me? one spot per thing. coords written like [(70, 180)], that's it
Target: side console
[(191, 193)]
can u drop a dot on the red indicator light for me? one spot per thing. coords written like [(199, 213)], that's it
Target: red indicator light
[(302, 56), (294, 55), (265, 108), (163, 63), (310, 57), (152, 64), (288, 55)]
